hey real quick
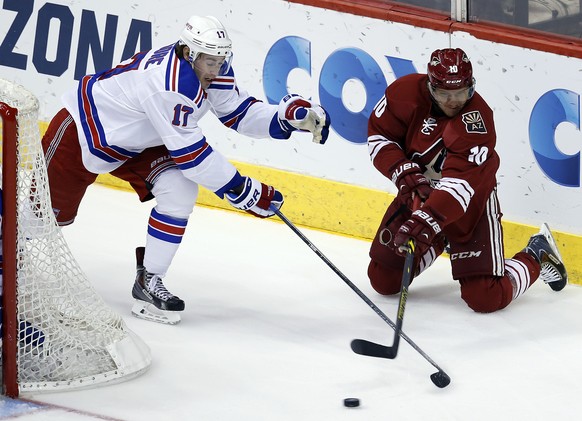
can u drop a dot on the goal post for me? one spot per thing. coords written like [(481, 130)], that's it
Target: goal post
[(57, 332), (9, 330)]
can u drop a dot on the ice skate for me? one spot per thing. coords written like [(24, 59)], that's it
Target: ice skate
[(152, 300), (543, 248)]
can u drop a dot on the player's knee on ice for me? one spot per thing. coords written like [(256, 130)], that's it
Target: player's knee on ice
[(384, 279), (486, 294)]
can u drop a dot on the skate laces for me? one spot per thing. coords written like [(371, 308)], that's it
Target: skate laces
[(550, 262), (157, 288), (549, 273)]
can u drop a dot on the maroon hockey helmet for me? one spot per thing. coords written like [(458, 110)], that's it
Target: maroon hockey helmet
[(450, 68)]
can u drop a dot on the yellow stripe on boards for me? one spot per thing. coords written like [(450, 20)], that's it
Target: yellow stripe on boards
[(356, 211)]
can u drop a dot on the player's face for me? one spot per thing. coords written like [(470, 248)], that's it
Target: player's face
[(451, 101), (207, 68)]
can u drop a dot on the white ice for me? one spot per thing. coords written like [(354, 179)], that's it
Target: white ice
[(267, 327)]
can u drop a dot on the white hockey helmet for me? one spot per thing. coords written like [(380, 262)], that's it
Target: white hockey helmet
[(205, 34)]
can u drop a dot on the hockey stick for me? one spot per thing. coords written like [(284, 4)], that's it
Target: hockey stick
[(372, 349), (363, 347), (440, 378), (406, 277)]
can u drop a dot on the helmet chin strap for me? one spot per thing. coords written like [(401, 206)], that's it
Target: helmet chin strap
[(472, 89)]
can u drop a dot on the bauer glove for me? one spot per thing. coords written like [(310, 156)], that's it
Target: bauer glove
[(305, 115), (409, 180), (422, 227), (255, 198)]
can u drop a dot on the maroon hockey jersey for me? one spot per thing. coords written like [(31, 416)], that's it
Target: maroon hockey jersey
[(457, 154)]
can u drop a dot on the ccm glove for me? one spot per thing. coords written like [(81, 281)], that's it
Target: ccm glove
[(409, 179), (255, 198), (422, 228), (305, 115)]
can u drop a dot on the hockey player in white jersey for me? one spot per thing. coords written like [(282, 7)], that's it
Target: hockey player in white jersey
[(139, 122)]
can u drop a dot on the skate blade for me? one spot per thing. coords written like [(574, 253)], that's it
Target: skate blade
[(147, 311), (546, 232)]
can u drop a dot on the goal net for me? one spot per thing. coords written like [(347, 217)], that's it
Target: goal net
[(58, 333)]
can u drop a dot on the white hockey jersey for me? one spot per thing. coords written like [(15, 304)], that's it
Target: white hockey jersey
[(155, 98)]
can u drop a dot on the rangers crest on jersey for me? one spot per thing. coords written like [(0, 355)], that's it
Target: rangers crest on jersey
[(474, 122)]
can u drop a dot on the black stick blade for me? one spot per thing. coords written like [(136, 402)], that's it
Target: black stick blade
[(372, 349), (440, 379)]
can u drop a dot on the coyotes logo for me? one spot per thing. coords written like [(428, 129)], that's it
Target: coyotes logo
[(474, 122), (428, 125)]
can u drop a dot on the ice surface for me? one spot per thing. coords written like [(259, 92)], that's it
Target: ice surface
[(267, 327)]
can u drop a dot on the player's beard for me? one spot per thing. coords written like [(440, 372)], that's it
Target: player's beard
[(451, 111)]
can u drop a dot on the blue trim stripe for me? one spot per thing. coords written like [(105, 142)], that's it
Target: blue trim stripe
[(92, 126), (220, 87), (222, 83), (169, 73), (233, 119), (181, 78), (191, 156), (280, 129), (235, 181), (166, 228)]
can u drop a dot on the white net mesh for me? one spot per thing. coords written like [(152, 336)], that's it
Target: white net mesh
[(68, 336)]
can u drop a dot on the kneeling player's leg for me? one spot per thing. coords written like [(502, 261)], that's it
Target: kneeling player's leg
[(479, 264), (489, 282), (385, 268), (486, 294), (384, 279)]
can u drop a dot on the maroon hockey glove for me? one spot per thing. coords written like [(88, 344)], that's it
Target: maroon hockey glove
[(422, 227), (256, 198), (409, 179)]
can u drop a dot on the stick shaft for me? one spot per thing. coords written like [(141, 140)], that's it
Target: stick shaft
[(353, 286)]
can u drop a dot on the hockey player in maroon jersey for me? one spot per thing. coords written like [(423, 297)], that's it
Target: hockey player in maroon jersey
[(432, 135)]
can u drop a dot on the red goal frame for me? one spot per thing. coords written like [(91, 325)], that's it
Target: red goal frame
[(9, 310)]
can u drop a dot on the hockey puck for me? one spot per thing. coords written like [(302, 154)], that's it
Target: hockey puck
[(351, 402)]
